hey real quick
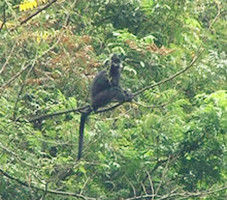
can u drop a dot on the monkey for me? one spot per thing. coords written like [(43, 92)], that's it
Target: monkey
[(104, 89)]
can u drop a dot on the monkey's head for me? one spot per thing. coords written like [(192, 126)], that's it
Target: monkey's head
[(115, 61)]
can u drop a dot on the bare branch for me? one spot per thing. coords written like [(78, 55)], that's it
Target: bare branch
[(151, 183)]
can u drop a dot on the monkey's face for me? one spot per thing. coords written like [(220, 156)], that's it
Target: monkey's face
[(115, 61)]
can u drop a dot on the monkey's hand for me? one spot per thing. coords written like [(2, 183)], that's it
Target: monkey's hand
[(128, 96)]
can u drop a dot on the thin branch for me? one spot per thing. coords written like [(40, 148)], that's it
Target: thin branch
[(42, 117), (133, 188), (144, 188), (185, 194), (9, 5), (151, 184), (14, 77), (8, 58), (3, 16), (163, 176), (25, 184), (85, 183), (71, 9), (217, 16), (37, 12)]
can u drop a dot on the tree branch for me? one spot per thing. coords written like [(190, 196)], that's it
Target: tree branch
[(25, 184), (42, 117), (37, 12)]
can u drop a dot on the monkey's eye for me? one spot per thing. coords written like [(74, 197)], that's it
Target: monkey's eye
[(116, 60)]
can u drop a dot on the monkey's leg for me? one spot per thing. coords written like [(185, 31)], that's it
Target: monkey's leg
[(106, 96)]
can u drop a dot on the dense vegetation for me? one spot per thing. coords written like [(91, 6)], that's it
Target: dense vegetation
[(168, 143)]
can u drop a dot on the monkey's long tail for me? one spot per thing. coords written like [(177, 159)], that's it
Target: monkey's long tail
[(81, 137)]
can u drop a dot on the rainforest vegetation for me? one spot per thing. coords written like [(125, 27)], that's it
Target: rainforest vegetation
[(169, 142)]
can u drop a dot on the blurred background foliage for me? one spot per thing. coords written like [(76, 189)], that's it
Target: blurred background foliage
[(169, 143)]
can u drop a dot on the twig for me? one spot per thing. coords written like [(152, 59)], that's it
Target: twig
[(144, 188), (9, 4), (68, 15), (37, 12), (184, 195), (3, 16), (14, 77), (85, 183), (7, 60), (151, 184), (216, 17)]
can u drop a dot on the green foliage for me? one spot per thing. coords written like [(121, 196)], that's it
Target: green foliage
[(170, 142)]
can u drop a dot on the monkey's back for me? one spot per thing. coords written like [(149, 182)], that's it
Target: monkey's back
[(100, 83)]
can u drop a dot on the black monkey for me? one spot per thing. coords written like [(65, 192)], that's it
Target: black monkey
[(105, 88)]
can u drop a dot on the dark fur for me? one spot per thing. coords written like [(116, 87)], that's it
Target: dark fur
[(81, 136), (105, 88)]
